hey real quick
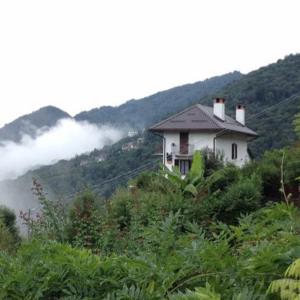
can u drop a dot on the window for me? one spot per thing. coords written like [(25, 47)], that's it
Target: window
[(184, 165), (234, 151)]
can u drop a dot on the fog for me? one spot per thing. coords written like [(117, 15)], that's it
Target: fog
[(64, 141)]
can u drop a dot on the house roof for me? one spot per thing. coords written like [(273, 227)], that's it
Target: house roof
[(200, 118)]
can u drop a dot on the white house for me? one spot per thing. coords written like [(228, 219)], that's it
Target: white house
[(202, 127)]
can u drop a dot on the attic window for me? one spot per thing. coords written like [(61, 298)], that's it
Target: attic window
[(234, 151)]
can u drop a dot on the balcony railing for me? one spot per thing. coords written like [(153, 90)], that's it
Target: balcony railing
[(183, 149)]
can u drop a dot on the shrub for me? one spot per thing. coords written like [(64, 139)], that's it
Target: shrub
[(9, 233), (84, 226), (50, 222), (7, 240), (240, 197)]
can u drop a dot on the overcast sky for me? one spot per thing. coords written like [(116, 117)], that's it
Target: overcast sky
[(78, 55)]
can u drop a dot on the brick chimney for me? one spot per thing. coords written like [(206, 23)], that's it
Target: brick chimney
[(240, 114), (219, 108)]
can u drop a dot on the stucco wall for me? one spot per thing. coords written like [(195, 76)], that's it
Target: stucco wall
[(170, 138), (224, 146), (202, 140)]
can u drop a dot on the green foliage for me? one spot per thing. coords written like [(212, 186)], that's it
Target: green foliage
[(297, 124), (157, 240), (269, 169), (241, 197), (198, 294), (9, 233), (84, 227), (263, 90), (191, 182), (48, 271), (8, 227), (50, 221), (289, 287), (8, 241), (175, 259)]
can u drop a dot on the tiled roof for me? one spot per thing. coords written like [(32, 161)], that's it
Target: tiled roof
[(200, 118)]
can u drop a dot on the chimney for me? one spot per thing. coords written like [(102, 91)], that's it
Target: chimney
[(240, 114), (219, 108)]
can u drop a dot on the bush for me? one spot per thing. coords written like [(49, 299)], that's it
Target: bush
[(9, 233), (49, 271), (7, 240), (84, 226), (242, 197), (226, 205), (270, 170)]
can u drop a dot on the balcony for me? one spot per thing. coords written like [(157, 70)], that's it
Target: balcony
[(183, 149)]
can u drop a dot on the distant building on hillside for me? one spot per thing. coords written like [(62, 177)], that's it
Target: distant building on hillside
[(132, 133), (202, 127)]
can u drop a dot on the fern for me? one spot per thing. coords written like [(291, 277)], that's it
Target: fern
[(288, 288), (200, 293)]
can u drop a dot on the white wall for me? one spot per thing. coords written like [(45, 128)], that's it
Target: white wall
[(170, 137), (198, 140), (224, 146), (202, 140)]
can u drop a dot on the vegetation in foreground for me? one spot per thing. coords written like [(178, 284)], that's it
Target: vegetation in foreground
[(220, 233)]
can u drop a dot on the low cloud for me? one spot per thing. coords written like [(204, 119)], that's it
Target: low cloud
[(64, 141)]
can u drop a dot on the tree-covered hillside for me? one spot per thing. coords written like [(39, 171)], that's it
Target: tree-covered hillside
[(32, 123), (272, 98), (271, 95), (142, 113)]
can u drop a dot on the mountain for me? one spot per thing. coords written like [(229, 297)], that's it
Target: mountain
[(272, 98), (101, 169), (140, 114), (32, 124), (136, 114), (271, 95)]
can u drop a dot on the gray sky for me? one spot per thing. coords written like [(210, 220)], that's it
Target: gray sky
[(78, 55)]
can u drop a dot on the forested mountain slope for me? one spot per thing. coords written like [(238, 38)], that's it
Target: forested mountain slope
[(32, 123), (272, 98), (144, 112)]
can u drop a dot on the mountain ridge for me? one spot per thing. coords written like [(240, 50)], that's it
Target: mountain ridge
[(268, 87), (32, 124), (140, 113)]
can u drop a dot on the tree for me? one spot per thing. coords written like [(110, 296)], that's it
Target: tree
[(84, 227), (297, 124), (9, 234)]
